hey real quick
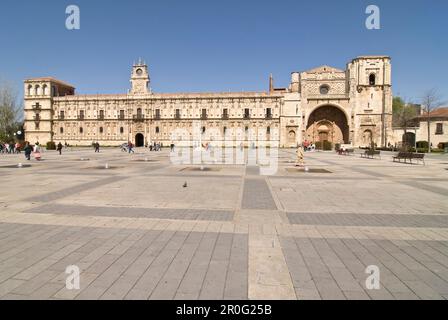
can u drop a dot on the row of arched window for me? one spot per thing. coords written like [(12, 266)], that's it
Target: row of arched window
[(157, 130), (203, 129), (38, 90), (81, 130)]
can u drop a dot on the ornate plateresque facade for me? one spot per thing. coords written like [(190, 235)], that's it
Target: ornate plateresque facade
[(352, 106)]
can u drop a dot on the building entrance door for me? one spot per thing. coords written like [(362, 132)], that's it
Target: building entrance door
[(139, 140)]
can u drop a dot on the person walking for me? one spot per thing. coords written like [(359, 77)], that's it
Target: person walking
[(130, 147), (300, 160), (37, 154), (172, 147), (97, 147), (17, 148), (59, 148), (27, 149)]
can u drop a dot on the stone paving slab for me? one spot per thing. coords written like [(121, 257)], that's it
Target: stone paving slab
[(72, 190), (157, 265), (155, 213), (351, 219), (256, 195), (335, 268)]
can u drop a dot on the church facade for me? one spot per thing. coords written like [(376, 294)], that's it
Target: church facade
[(351, 106)]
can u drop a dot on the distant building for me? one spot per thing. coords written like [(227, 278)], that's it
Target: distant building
[(323, 104), (418, 130)]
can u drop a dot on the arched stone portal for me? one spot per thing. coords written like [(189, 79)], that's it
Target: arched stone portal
[(139, 140), (327, 123), (292, 137), (367, 138)]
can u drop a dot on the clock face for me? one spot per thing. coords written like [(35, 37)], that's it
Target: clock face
[(139, 71)]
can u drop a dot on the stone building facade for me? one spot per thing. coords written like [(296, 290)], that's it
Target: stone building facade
[(351, 106), (438, 129)]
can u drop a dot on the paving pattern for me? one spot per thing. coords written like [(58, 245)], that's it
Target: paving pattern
[(257, 195), (149, 229), (155, 213), (374, 220)]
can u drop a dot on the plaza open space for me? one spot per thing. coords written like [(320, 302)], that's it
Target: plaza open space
[(140, 227)]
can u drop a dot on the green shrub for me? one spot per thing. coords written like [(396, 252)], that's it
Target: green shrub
[(442, 145), (51, 145), (437, 150), (422, 144)]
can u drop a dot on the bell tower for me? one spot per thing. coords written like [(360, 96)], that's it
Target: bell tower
[(140, 78)]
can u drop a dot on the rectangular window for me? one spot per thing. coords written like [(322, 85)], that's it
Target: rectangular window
[(439, 128), (61, 115), (268, 113), (81, 114), (101, 116), (121, 116), (157, 115), (204, 114), (225, 114), (246, 113), (177, 115)]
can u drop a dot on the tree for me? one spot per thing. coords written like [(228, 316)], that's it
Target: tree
[(404, 114), (9, 112), (431, 100), (397, 106)]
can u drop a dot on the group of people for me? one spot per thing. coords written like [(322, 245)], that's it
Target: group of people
[(35, 150), (127, 147), (308, 146), (10, 148), (26, 147), (155, 146)]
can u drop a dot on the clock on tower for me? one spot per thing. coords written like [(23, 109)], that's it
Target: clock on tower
[(140, 78)]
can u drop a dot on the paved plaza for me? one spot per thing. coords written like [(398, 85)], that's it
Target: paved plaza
[(148, 229)]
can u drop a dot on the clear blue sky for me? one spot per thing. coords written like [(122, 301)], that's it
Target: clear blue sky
[(220, 45)]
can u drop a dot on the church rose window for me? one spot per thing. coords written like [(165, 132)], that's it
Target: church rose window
[(324, 89)]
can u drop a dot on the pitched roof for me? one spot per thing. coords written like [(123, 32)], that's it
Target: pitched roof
[(324, 69), (51, 79), (441, 112)]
